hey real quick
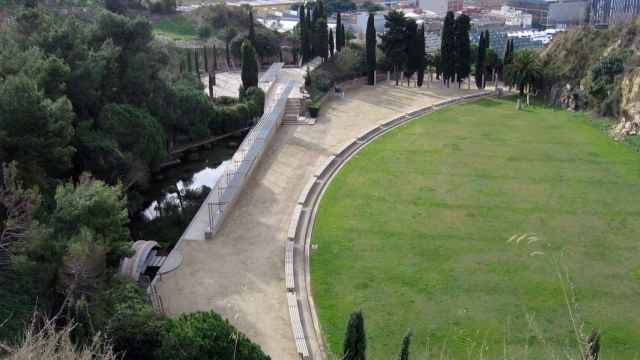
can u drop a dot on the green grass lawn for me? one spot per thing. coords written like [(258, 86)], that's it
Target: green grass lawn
[(176, 27), (414, 231)]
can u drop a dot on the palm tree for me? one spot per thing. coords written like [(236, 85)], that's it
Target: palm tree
[(523, 72)]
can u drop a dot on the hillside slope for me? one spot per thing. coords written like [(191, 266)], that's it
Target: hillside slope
[(599, 69)]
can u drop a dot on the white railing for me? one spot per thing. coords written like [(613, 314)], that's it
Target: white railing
[(239, 168)]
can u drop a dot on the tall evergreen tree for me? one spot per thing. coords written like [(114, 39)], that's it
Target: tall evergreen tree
[(371, 50), (323, 38), (394, 41), (189, 60), (447, 48), (215, 58), (252, 30), (206, 59), (487, 50), (309, 32), (197, 62), (480, 61), (355, 341), (344, 36), (339, 33), (420, 45), (404, 349), (331, 42), (249, 72), (463, 48), (413, 54), (304, 35)]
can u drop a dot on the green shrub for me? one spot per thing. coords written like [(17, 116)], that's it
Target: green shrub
[(133, 327), (205, 335)]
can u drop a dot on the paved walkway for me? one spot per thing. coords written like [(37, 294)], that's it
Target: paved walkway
[(240, 273)]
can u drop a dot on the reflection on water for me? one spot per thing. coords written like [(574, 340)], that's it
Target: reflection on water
[(205, 177)]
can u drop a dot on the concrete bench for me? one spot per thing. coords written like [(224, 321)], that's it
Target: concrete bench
[(288, 266), (325, 164), (305, 191), (293, 225), (296, 326)]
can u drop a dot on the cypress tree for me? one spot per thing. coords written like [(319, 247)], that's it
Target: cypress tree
[(339, 33), (323, 39), (189, 61), (413, 57), (211, 83), (309, 31), (331, 42), (371, 50), (463, 52), (249, 71), (447, 48), (355, 341), (487, 47), (344, 36), (482, 53), (215, 58), (197, 62), (420, 45), (206, 59), (252, 30), (404, 349), (304, 35)]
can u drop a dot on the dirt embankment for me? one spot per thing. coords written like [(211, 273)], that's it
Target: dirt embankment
[(576, 52)]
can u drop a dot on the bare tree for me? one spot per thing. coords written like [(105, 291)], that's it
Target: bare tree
[(17, 205)]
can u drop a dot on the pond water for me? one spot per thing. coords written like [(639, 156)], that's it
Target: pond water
[(173, 186)]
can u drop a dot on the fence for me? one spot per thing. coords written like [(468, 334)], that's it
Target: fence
[(239, 168)]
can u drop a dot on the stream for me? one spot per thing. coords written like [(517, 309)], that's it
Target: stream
[(176, 193)]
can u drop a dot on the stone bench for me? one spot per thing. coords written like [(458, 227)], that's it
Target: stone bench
[(296, 326), (293, 225), (305, 191), (288, 267)]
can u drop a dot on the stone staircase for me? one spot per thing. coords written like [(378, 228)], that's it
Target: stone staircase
[(292, 111)]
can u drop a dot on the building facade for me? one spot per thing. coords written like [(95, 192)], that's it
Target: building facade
[(606, 12)]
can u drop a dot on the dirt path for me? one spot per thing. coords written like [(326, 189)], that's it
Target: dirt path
[(240, 273)]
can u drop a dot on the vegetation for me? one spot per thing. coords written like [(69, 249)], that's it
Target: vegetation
[(432, 252), (249, 66), (177, 27), (355, 339), (87, 111), (371, 50), (205, 335)]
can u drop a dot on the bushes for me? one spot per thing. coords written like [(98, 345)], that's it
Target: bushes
[(205, 335), (131, 323)]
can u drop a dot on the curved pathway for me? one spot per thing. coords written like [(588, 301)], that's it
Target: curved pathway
[(240, 273)]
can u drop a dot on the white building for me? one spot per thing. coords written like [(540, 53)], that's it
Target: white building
[(439, 7), (513, 17)]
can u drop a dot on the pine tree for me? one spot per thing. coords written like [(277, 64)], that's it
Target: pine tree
[(339, 33), (404, 349), (480, 61), (447, 49), (394, 41), (252, 30), (355, 341), (463, 50), (331, 42), (371, 50), (420, 45), (249, 71)]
